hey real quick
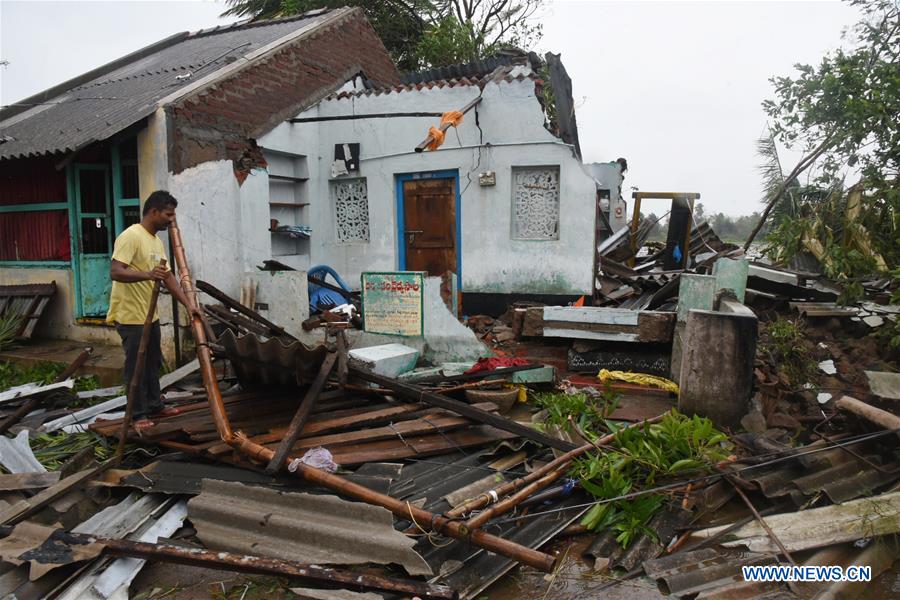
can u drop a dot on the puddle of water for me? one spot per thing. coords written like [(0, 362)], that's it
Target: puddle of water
[(573, 580)]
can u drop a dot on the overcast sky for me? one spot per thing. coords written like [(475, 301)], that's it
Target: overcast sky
[(674, 87)]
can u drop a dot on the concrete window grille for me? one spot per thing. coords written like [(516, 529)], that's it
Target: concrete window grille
[(535, 203), (351, 211)]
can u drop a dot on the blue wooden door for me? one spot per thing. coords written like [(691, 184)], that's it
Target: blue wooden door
[(93, 238)]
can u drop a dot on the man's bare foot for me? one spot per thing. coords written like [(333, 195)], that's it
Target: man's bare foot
[(142, 425)]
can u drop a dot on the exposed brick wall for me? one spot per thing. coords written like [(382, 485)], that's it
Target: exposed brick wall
[(223, 120)]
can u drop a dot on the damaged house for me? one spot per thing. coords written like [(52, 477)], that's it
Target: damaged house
[(182, 114), (296, 140)]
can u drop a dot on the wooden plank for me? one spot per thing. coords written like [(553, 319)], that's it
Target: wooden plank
[(28, 481), (428, 424), (598, 323), (428, 445), (592, 314), (581, 334), (302, 414), (461, 408), (331, 425), (26, 508)]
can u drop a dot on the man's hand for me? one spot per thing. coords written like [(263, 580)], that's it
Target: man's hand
[(196, 312), (158, 274)]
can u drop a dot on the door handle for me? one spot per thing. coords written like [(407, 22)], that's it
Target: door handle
[(412, 234)]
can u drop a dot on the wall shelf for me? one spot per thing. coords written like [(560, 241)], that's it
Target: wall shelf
[(288, 178)]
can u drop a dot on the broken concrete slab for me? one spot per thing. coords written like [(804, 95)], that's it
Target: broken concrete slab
[(389, 360), (884, 384), (731, 275)]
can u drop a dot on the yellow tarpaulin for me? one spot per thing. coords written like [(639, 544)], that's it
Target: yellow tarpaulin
[(639, 379)]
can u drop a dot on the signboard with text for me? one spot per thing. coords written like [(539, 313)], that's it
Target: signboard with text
[(392, 303)]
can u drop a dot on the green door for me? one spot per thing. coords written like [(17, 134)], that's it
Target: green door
[(93, 238)]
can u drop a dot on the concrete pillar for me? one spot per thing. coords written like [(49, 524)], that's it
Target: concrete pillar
[(731, 275), (694, 292), (716, 370)]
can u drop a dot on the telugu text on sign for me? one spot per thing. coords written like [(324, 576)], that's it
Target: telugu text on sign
[(392, 302)]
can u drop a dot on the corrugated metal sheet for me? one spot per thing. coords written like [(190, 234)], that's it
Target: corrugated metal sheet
[(607, 552), (687, 573), (468, 569), (477, 68), (125, 91), (270, 362), (319, 529), (840, 474)]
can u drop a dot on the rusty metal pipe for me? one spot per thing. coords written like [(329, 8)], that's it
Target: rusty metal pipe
[(424, 519), (558, 464), (204, 356)]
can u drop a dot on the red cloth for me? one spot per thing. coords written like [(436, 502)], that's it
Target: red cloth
[(489, 364)]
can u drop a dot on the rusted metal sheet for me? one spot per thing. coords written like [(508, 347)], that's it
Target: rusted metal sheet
[(27, 302), (271, 362), (320, 529)]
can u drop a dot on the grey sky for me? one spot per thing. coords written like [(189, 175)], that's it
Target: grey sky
[(674, 87)]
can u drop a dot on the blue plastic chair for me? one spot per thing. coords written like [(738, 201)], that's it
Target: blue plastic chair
[(320, 298)]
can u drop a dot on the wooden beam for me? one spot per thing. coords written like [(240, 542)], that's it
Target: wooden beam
[(599, 323), (306, 405), (28, 481), (248, 312), (420, 394), (445, 126), (26, 508)]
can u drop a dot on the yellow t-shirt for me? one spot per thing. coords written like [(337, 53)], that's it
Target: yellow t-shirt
[(141, 251)]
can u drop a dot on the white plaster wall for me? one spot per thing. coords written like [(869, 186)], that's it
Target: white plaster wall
[(225, 227), (511, 133), (153, 156), (609, 176)]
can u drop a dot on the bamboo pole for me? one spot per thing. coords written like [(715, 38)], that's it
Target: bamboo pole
[(138, 369), (559, 464), (424, 519), (873, 414), (240, 442), (204, 355), (445, 126)]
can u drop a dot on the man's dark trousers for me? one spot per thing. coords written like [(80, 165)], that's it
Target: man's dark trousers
[(147, 399)]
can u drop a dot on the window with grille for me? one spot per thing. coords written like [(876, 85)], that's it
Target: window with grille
[(351, 211), (535, 203)]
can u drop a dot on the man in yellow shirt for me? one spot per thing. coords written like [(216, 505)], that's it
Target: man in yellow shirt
[(134, 269)]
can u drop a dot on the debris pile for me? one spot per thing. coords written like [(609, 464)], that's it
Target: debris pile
[(582, 443)]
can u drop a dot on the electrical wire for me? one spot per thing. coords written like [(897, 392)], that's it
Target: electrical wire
[(710, 477)]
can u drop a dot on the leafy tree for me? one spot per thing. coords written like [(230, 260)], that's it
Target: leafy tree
[(844, 114), (422, 34)]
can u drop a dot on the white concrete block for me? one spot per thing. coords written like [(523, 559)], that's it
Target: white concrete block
[(389, 360)]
